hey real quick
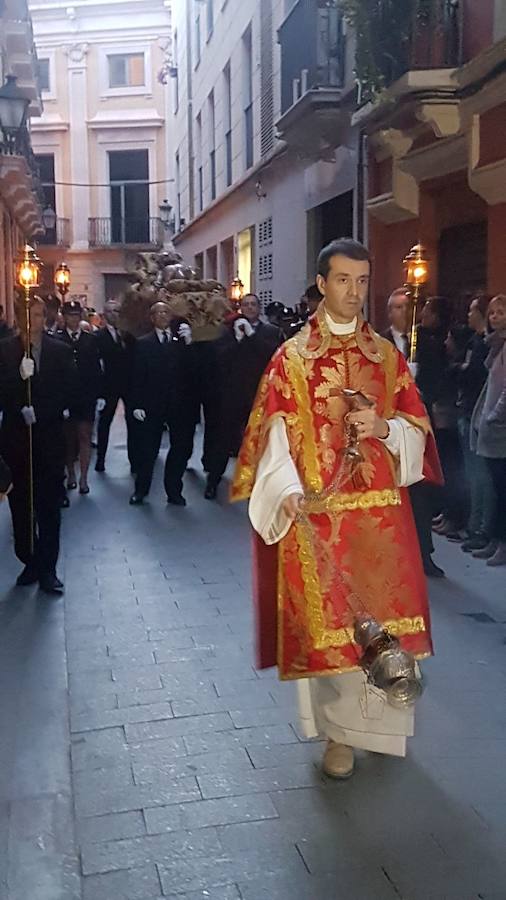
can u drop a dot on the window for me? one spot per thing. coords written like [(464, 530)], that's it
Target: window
[(200, 171), (45, 164), (265, 232), (44, 75), (210, 18), (265, 267), (227, 118), (212, 144), (129, 179), (126, 70), (247, 53), (197, 40)]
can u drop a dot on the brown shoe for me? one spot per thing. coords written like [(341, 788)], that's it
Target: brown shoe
[(487, 551), (338, 760), (499, 557)]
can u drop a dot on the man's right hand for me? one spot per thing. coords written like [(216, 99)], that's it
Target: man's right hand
[(26, 368), (291, 506), (140, 415)]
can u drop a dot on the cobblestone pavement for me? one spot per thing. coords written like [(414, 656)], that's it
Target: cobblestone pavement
[(187, 775)]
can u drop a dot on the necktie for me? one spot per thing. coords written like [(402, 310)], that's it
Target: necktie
[(165, 339), (75, 336), (405, 346)]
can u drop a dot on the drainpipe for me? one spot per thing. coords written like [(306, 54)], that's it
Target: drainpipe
[(189, 79)]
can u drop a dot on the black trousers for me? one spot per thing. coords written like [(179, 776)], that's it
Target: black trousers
[(48, 473), (206, 394), (423, 498), (149, 440), (104, 427), (497, 468)]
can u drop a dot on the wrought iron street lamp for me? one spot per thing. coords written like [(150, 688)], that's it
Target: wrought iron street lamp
[(416, 276), (13, 109), (49, 218), (62, 279)]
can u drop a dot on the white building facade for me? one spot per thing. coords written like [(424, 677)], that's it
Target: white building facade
[(263, 156), (101, 144)]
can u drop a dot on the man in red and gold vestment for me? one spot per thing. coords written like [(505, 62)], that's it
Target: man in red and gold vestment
[(333, 538)]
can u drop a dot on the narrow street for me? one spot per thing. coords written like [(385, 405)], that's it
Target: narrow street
[(142, 755)]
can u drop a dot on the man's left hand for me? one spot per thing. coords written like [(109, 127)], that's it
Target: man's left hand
[(100, 404), (368, 424)]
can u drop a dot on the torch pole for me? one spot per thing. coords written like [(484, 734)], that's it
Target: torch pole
[(30, 432), (414, 330)]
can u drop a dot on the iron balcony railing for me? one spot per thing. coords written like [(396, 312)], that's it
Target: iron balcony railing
[(116, 232), (59, 236), (394, 37), (313, 50)]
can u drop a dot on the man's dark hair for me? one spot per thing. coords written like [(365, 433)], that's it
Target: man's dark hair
[(341, 247), (312, 293)]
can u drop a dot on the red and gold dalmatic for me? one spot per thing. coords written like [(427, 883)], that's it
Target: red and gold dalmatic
[(358, 541)]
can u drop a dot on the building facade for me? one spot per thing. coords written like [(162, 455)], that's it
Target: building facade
[(20, 200), (436, 135), (101, 144), (263, 154)]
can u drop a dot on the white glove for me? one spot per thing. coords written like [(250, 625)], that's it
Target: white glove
[(26, 368), (28, 414), (184, 331), (100, 404), (140, 415), (66, 414), (242, 328)]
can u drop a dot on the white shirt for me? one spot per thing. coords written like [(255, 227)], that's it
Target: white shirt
[(113, 332), (72, 333), (160, 334), (400, 340)]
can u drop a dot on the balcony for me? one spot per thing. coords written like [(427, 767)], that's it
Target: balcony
[(313, 75), (117, 232), (421, 35), (59, 236), (19, 184)]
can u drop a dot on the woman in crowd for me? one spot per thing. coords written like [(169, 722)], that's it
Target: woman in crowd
[(472, 377), (488, 428), (438, 386)]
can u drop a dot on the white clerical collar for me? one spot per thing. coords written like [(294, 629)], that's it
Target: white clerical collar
[(340, 328)]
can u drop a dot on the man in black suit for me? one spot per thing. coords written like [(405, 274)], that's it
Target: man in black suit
[(244, 350), (160, 396), (422, 493), (51, 370), (116, 351), (90, 393)]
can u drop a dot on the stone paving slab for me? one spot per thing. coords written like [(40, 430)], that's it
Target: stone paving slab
[(190, 778)]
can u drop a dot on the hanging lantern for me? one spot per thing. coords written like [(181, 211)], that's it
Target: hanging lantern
[(62, 278), (416, 267)]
